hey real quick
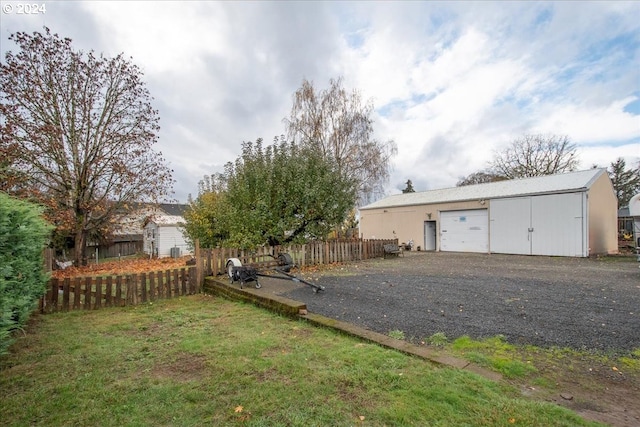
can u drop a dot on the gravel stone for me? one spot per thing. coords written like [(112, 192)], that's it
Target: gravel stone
[(580, 303)]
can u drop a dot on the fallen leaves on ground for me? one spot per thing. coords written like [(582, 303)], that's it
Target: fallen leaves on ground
[(125, 266)]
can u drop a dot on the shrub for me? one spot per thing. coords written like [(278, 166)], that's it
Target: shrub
[(23, 234)]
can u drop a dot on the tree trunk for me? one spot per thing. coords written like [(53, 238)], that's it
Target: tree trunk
[(80, 247)]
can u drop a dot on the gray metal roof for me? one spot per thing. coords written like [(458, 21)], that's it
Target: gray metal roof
[(561, 183)]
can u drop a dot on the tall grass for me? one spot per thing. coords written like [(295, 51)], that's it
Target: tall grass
[(200, 360)]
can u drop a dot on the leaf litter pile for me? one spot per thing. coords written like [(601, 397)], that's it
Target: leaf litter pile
[(125, 266)]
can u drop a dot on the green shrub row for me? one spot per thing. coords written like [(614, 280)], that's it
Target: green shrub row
[(23, 235)]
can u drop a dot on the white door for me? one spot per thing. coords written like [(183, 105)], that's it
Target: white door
[(464, 231), (429, 235)]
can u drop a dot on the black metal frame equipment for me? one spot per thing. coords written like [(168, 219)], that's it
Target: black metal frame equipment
[(250, 272)]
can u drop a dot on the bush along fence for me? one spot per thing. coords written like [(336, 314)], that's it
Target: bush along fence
[(212, 261), (89, 293)]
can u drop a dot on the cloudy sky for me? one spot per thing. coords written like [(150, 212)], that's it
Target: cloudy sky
[(452, 82)]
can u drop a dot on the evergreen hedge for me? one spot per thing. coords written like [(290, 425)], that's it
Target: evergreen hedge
[(23, 235)]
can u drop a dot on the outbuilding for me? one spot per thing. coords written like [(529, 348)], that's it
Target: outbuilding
[(163, 236), (572, 214)]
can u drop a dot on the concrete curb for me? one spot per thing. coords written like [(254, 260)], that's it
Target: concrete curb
[(298, 310)]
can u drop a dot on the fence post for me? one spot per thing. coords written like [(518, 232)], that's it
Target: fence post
[(199, 264)]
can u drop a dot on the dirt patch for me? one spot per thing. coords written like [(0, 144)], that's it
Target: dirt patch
[(185, 367)]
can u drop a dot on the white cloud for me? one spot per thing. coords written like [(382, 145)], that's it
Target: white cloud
[(591, 124), (452, 81)]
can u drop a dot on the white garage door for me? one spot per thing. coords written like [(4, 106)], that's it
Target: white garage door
[(539, 225), (464, 231)]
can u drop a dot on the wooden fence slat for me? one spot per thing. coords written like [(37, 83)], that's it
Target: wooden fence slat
[(134, 289), (193, 288), (183, 280), (87, 293), (55, 290), (143, 287), (152, 286), (66, 285), (77, 293), (108, 301), (176, 283), (167, 284), (119, 301), (98, 301), (128, 287)]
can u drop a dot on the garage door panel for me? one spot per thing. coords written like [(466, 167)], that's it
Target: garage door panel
[(510, 222), (464, 231), (556, 221)]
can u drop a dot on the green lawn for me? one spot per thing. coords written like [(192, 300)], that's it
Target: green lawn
[(201, 360)]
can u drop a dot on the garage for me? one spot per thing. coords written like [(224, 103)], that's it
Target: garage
[(572, 214), (464, 231)]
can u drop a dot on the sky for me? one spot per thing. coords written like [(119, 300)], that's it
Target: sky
[(452, 83)]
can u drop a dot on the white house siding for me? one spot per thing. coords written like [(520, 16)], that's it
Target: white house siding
[(170, 237), (163, 234)]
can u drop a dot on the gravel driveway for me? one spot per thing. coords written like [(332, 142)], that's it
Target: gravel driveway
[(545, 301)]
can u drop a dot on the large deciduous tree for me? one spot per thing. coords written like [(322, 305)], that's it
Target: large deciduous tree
[(338, 124), (77, 131), (626, 182), (535, 155)]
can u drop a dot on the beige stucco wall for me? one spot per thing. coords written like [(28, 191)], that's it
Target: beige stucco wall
[(602, 212), (408, 221)]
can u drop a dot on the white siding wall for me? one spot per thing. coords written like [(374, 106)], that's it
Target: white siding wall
[(170, 236)]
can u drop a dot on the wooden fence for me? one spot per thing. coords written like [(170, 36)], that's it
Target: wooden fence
[(89, 293), (314, 253)]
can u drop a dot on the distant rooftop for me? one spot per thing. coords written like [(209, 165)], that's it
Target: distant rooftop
[(560, 183), (167, 219), (173, 208)]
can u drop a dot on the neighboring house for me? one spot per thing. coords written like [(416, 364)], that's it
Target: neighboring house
[(163, 236), (572, 214), (127, 238)]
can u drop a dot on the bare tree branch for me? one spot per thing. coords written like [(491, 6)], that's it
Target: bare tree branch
[(338, 124), (535, 155)]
